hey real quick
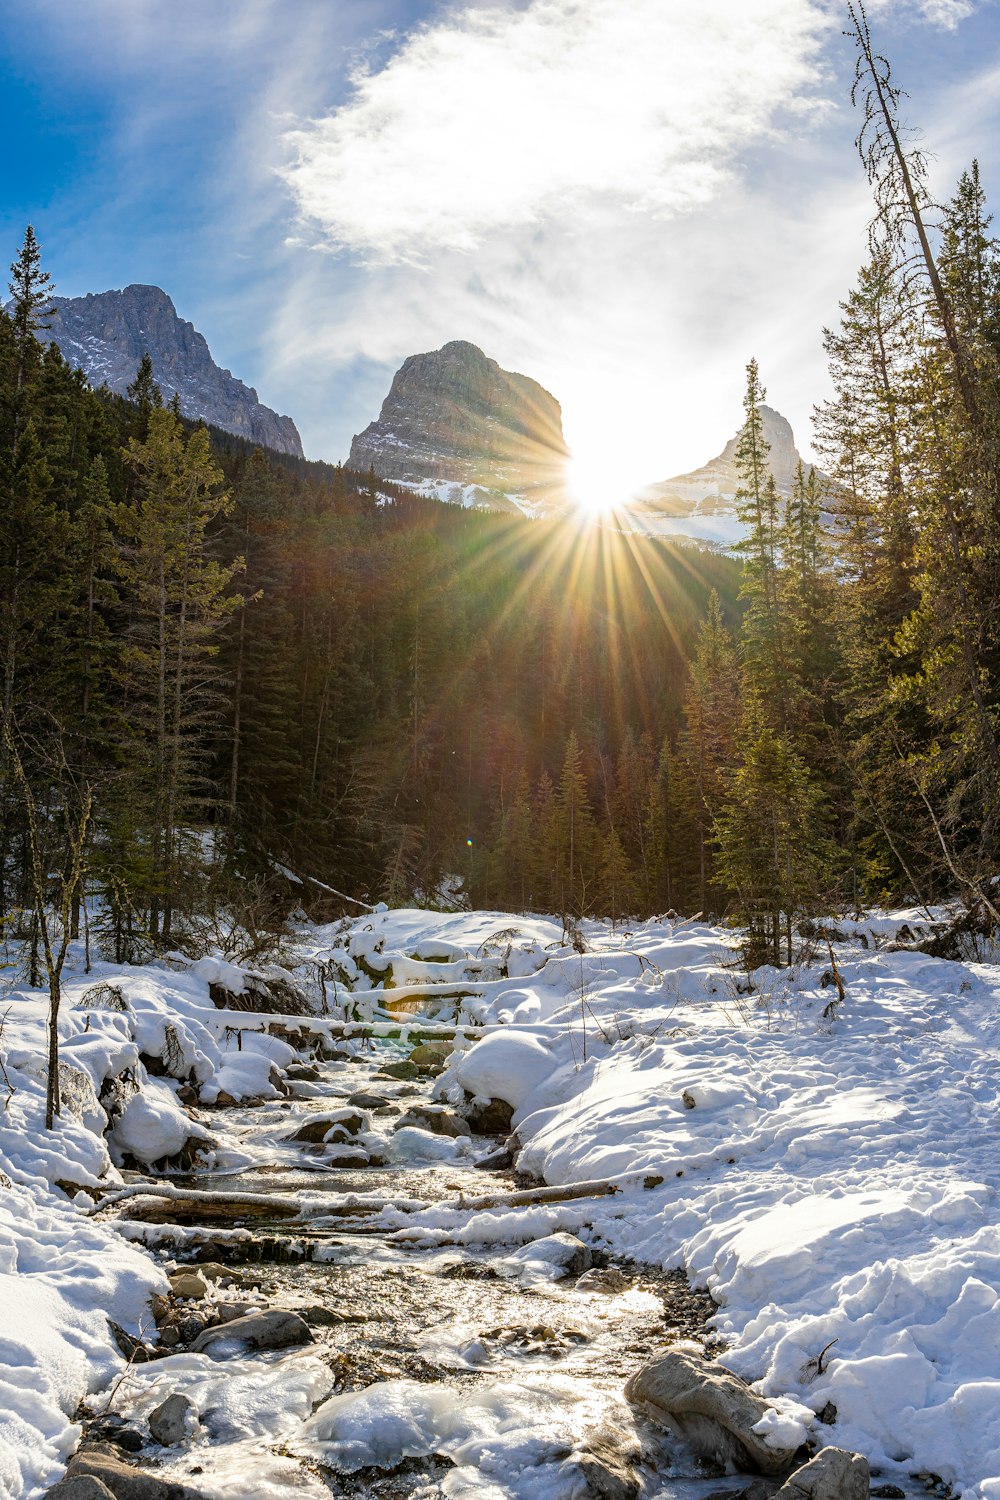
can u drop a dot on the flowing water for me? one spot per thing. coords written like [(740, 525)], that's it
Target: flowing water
[(482, 1375)]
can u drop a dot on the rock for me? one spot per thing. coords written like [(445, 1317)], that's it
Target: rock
[(608, 1462), (834, 1474), (606, 1279), (454, 415), (493, 1117), (888, 1492), (228, 1312), (339, 1125), (107, 333), (760, 1489), (276, 1079), (172, 1420), (402, 1069), (133, 1349), (303, 1072), (224, 1100), (318, 1316), (214, 1270), (275, 1329), (190, 1285), (496, 1161), (161, 1308), (710, 1409), (431, 1054), (80, 1487), (170, 1336), (124, 1480), (435, 1118), (368, 1101), (561, 1249)]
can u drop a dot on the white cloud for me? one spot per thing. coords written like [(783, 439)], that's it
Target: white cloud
[(502, 119)]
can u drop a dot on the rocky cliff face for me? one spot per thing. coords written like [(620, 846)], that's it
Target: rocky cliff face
[(700, 506), (107, 333), (713, 486), (454, 423)]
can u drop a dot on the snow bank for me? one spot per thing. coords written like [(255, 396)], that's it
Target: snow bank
[(63, 1275)]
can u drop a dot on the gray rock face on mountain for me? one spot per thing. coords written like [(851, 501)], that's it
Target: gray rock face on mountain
[(713, 486), (107, 333), (454, 418)]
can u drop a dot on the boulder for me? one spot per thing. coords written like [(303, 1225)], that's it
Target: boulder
[(303, 1072), (564, 1250), (80, 1487), (711, 1410), (431, 1054), (834, 1474), (172, 1420), (368, 1101), (436, 1118), (274, 1329), (124, 1480), (489, 1117)]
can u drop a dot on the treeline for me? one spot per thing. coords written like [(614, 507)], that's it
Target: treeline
[(847, 739), (234, 682), (237, 680)]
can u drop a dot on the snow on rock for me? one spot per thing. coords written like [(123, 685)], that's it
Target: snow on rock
[(153, 1127), (505, 1065)]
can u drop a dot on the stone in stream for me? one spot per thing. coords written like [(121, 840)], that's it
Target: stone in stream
[(436, 1118), (711, 1410), (275, 1329), (190, 1285), (345, 1122), (564, 1250), (125, 1481), (402, 1069), (214, 1270), (368, 1101), (80, 1487), (489, 1117), (834, 1474), (172, 1420), (228, 1312), (431, 1054), (303, 1072), (607, 1460), (606, 1279)]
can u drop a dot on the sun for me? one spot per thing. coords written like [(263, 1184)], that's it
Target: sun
[(595, 484)]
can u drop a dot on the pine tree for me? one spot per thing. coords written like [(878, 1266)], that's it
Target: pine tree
[(177, 595)]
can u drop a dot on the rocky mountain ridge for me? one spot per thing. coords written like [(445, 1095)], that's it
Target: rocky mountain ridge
[(456, 425), (107, 333)]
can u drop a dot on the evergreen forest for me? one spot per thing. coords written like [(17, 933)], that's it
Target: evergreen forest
[(235, 683)]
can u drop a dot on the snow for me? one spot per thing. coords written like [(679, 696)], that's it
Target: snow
[(507, 1439), (833, 1180), (507, 1065)]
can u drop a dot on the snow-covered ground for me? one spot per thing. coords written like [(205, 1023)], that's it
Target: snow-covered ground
[(829, 1172)]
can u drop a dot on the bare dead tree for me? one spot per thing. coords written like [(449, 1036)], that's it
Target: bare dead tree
[(54, 950)]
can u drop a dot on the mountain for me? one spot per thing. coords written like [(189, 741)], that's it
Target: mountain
[(107, 333), (457, 426), (701, 505)]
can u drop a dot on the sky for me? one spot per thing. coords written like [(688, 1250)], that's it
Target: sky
[(625, 199)]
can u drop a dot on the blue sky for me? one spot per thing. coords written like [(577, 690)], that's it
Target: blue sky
[(623, 198)]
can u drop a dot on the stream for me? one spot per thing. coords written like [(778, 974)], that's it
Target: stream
[(460, 1368)]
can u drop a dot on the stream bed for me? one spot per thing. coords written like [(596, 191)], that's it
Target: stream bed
[(446, 1356)]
